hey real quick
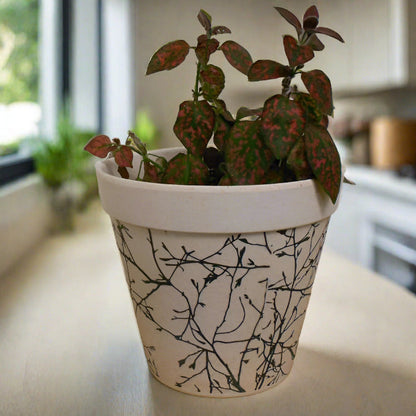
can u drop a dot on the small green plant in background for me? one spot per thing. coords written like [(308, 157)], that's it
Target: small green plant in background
[(66, 170), (9, 148), (60, 160), (284, 140), (146, 129)]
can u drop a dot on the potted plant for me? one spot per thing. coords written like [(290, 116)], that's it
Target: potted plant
[(66, 170), (220, 242)]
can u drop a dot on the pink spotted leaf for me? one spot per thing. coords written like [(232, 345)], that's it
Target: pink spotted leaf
[(124, 156), (246, 159), (168, 56), (205, 48), (237, 56), (194, 125), (319, 87), (154, 172), (311, 108), (186, 169), (222, 132), (297, 54), (267, 69), (223, 124), (298, 162), (283, 122), (213, 81), (323, 159), (100, 146)]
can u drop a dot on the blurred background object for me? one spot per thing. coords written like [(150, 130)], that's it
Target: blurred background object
[(392, 142)]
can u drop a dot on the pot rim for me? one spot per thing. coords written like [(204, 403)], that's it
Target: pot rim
[(220, 209)]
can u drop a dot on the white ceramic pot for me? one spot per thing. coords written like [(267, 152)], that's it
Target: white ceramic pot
[(220, 277)]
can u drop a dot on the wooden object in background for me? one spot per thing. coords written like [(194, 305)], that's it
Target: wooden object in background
[(392, 142)]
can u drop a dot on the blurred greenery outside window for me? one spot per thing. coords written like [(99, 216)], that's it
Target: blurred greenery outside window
[(20, 112)]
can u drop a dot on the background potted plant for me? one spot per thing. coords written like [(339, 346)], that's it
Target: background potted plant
[(66, 170), (220, 275)]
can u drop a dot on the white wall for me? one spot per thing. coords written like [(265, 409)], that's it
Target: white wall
[(118, 76), (26, 218), (50, 49), (84, 64)]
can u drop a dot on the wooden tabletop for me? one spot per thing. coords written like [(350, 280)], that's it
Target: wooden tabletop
[(69, 344)]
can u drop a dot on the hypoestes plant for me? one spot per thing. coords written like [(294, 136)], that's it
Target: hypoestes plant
[(284, 140)]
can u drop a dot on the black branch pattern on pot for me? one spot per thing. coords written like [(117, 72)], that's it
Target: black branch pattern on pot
[(235, 307)]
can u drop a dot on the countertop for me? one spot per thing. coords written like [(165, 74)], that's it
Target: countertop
[(69, 344), (383, 181)]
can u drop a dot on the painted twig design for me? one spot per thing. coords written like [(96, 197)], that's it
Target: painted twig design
[(245, 331)]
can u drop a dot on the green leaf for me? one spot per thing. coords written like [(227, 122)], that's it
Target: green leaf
[(246, 158), (319, 87), (267, 69), (213, 81), (323, 159), (168, 56), (186, 169), (297, 54), (283, 121), (194, 125), (237, 56)]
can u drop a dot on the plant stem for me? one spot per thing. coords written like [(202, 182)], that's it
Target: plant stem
[(286, 86), (196, 89)]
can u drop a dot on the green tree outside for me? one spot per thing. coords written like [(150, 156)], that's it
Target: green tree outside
[(19, 63)]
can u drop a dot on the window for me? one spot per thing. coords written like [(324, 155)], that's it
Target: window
[(52, 51), (19, 70), (20, 112)]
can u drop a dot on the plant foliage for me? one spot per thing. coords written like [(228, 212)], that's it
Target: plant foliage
[(62, 160), (287, 139)]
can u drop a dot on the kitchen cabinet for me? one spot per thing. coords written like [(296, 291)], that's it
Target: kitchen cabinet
[(381, 43), (375, 224), (380, 40)]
